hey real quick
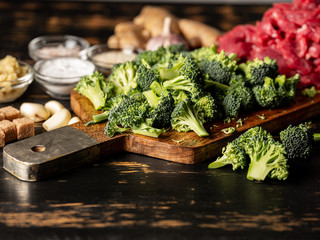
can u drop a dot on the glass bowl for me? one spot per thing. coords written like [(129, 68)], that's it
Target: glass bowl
[(48, 47), (59, 76), (104, 58), (13, 89)]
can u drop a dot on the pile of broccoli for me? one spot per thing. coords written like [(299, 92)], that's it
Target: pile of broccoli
[(183, 90), (266, 156)]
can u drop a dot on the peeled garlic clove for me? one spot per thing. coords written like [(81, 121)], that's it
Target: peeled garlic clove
[(35, 111), (57, 120), (74, 120), (53, 106)]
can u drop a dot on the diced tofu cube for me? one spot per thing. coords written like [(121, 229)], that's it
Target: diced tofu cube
[(9, 129), (25, 127), (10, 112)]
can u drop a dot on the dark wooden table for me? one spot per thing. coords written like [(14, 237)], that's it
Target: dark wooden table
[(128, 196)]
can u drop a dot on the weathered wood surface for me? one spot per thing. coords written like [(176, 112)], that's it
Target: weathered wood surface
[(188, 148)]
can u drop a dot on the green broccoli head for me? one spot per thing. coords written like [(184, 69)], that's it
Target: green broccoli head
[(220, 67), (256, 70), (185, 118), (242, 94), (203, 53), (231, 106), (206, 107), (96, 89), (267, 158), (232, 154), (151, 57), (112, 128), (132, 113), (123, 77), (297, 141), (145, 76), (266, 95), (161, 109), (276, 92), (184, 75)]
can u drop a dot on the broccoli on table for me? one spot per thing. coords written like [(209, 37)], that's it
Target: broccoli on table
[(123, 77), (96, 89), (232, 154), (267, 158), (255, 71), (185, 118), (298, 141)]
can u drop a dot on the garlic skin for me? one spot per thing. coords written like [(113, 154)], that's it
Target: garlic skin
[(166, 39), (35, 111)]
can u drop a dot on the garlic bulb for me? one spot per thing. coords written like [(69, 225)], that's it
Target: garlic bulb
[(166, 39)]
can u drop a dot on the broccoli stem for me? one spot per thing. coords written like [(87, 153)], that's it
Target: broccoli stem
[(209, 83), (152, 98), (195, 125), (316, 137), (220, 162), (178, 83), (146, 130), (101, 117)]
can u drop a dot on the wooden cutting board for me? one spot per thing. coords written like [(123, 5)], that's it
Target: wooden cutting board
[(188, 148), (57, 151)]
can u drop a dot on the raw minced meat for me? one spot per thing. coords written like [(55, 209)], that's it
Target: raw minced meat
[(287, 32)]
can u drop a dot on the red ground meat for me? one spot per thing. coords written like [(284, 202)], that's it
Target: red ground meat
[(287, 32)]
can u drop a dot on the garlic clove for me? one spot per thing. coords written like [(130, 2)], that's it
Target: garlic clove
[(35, 111)]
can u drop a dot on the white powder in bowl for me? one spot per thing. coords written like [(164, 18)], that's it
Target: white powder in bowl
[(64, 67)]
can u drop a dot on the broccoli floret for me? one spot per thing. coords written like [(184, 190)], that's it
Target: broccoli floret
[(256, 70), (110, 104), (179, 95), (123, 77), (267, 158), (297, 141), (184, 75), (145, 76), (220, 67), (231, 106), (266, 95), (185, 118), (112, 128), (231, 154), (132, 114), (243, 94), (286, 88), (206, 107), (276, 92), (162, 107), (203, 53), (151, 57), (177, 48), (96, 89)]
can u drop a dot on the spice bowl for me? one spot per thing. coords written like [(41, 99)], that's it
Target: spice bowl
[(104, 58), (59, 76), (11, 90), (48, 47)]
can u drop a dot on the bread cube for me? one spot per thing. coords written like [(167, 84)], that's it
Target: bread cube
[(25, 127), (9, 129), (2, 138), (10, 112)]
